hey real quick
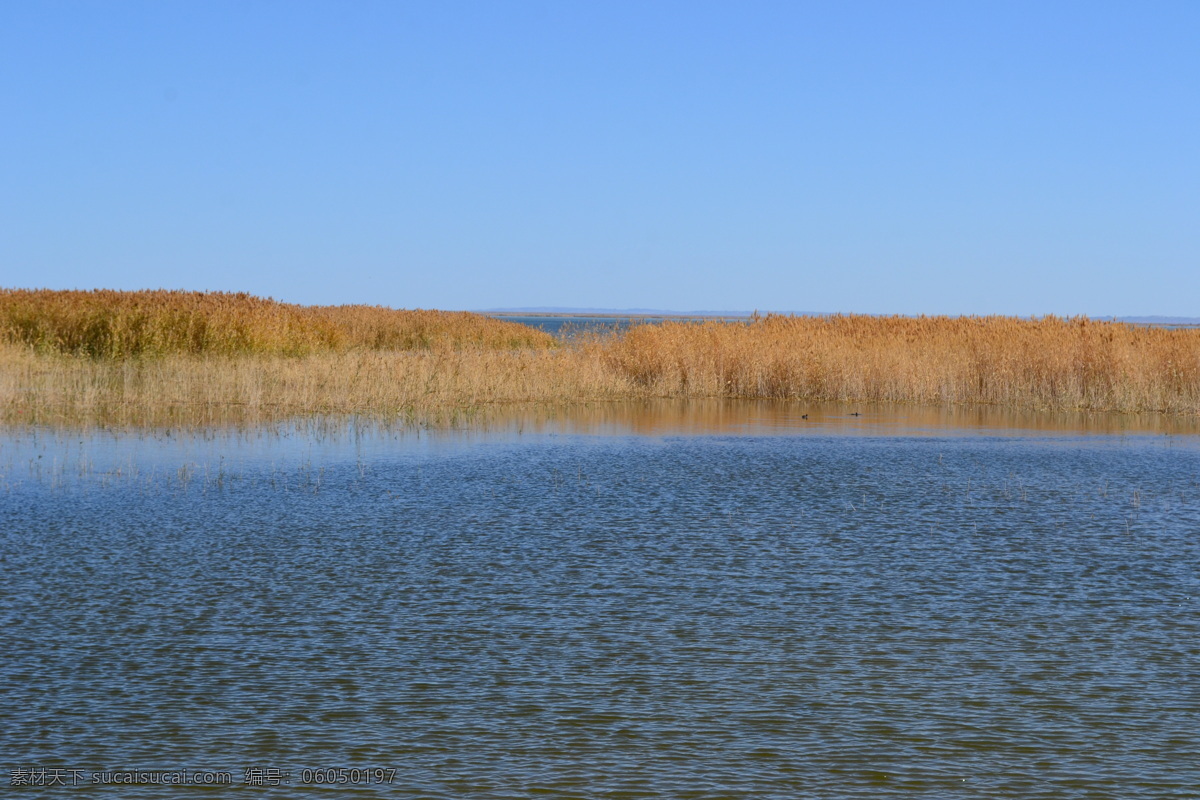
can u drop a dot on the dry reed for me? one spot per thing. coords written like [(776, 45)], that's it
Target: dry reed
[(112, 324), (190, 359), (1047, 363), (419, 385)]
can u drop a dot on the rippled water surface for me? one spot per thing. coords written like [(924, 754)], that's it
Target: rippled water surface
[(783, 612)]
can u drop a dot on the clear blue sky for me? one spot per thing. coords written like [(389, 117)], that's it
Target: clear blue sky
[(909, 157)]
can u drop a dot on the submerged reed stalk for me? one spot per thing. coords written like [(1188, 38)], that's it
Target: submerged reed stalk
[(206, 390)]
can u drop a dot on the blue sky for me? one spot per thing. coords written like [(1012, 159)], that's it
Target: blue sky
[(891, 157)]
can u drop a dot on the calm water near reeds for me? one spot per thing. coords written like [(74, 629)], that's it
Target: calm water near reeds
[(679, 600), (568, 325)]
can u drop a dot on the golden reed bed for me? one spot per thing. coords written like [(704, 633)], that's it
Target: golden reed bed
[(177, 358), (119, 325)]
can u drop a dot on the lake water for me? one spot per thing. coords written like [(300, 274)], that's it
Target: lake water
[(568, 325), (696, 601)]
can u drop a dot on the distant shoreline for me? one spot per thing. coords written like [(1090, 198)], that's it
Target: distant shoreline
[(1153, 321), (608, 315)]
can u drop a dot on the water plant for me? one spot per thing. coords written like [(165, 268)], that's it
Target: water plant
[(115, 325), (190, 358)]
